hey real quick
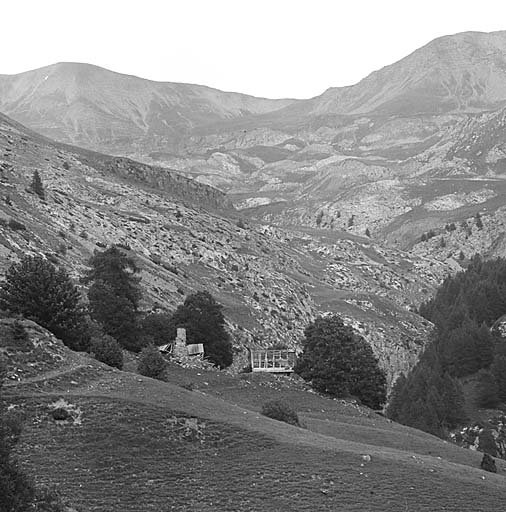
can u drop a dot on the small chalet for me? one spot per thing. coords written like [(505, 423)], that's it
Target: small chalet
[(273, 361), (179, 349)]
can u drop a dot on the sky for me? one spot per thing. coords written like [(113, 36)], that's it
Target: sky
[(268, 48)]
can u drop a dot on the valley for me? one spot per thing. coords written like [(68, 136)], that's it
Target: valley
[(359, 202)]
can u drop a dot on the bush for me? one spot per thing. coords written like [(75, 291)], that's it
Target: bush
[(151, 362), (19, 334), (280, 411), (47, 499), (107, 350), (37, 185), (15, 225)]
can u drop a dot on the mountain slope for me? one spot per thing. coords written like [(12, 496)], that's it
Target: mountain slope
[(272, 282), (97, 108), (464, 72)]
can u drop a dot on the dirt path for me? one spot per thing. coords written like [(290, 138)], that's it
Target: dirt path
[(45, 376)]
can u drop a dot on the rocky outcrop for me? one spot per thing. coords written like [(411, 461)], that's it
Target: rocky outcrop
[(173, 184)]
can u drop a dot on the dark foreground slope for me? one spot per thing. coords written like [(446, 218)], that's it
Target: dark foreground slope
[(133, 443)]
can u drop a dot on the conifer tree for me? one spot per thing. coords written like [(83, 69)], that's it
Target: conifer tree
[(338, 361), (203, 319), (39, 291), (486, 391), (498, 369), (37, 185), (114, 296)]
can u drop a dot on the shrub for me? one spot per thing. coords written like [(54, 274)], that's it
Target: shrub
[(280, 411), (19, 335), (107, 350), (37, 185), (151, 362), (47, 499), (61, 249), (15, 225), (479, 223)]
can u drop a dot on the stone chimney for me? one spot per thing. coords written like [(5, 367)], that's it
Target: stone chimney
[(180, 350)]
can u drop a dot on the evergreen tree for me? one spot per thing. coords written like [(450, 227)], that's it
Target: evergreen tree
[(486, 390), (338, 361), (37, 185), (398, 397), (118, 270), (479, 223), (452, 396), (39, 291), (498, 369), (428, 399), (114, 296), (115, 314), (203, 319), (158, 328)]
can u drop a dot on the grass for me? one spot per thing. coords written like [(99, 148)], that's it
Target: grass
[(150, 445)]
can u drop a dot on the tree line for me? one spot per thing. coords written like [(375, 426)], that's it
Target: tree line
[(111, 318), (335, 359), (463, 343)]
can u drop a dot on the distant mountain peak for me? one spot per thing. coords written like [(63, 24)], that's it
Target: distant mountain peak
[(460, 72), (93, 107)]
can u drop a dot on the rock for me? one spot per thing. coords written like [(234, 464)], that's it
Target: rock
[(488, 463), (60, 414)]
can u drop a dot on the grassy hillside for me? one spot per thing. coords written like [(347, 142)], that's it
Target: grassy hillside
[(134, 443)]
